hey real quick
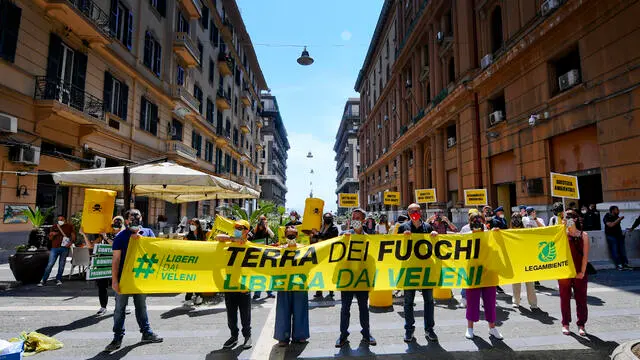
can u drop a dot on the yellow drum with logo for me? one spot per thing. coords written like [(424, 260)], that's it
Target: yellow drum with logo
[(381, 298), (98, 210), (312, 218), (441, 294)]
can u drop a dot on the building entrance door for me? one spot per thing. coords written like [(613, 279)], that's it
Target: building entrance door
[(506, 195)]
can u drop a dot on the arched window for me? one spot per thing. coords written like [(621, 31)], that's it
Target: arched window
[(496, 29), (452, 70)]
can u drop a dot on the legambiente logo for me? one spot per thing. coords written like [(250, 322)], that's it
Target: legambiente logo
[(546, 251), (145, 265)]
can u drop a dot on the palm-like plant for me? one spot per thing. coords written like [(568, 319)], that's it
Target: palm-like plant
[(37, 217)]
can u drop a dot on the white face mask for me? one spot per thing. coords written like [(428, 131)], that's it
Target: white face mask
[(292, 218), (356, 224), (291, 242), (60, 222), (192, 227), (584, 211), (501, 216)]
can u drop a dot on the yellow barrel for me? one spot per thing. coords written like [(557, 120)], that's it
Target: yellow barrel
[(381, 298), (441, 294), (312, 218), (97, 211)]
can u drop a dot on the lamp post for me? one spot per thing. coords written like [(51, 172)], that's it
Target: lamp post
[(310, 156)]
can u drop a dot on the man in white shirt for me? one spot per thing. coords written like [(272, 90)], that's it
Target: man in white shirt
[(531, 220)]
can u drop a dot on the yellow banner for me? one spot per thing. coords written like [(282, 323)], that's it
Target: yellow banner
[(302, 237), (424, 196), (348, 200), (564, 186), (222, 225), (392, 198), (358, 262), (475, 197)]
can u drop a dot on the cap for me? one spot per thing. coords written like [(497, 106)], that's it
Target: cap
[(522, 207), (486, 207), (359, 210), (530, 210), (473, 211), (243, 223), (499, 208)]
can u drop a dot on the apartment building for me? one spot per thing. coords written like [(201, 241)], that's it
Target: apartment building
[(347, 150), (459, 94), (94, 83), (274, 146)]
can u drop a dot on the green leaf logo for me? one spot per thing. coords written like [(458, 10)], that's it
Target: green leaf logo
[(546, 251)]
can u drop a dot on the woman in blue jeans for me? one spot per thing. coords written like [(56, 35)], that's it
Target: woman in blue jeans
[(62, 235)]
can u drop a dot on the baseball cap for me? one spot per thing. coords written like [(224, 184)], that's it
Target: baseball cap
[(243, 223), (473, 211)]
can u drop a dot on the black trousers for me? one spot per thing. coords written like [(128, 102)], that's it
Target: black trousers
[(238, 302), (103, 286)]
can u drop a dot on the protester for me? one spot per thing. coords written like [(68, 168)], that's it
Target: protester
[(579, 246), (615, 238), (592, 219), (370, 225), (238, 301), (417, 226), (328, 230), (532, 220), (558, 212), (62, 235), (133, 222), (294, 219), (292, 307), (196, 233), (383, 225), (488, 294), (516, 223), (498, 221), (260, 232), (487, 213), (466, 229), (357, 220), (402, 218), (183, 227), (523, 211), (441, 223)]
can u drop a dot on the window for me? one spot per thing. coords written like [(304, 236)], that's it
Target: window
[(235, 136), (496, 29), (201, 50), (160, 6), (219, 161), (152, 54), (196, 143), (452, 71), (241, 170), (213, 34), (180, 75), (238, 75), (197, 93), (210, 111), (116, 95), (234, 167), (227, 163), (497, 103), (10, 16), (219, 123), (565, 71), (176, 130), (211, 71), (204, 20), (148, 116), (227, 128), (242, 140), (183, 24), (208, 151), (235, 105), (451, 136), (121, 23)]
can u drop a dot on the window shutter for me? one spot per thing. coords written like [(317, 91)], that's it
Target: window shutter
[(147, 50), (205, 17), (107, 95), (129, 27), (158, 58), (10, 26), (153, 128), (143, 112), (55, 56), (124, 101), (162, 7), (78, 79), (113, 18)]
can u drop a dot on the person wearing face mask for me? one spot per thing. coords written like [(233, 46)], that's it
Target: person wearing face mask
[(134, 230), (62, 235), (532, 220), (615, 238), (558, 211), (238, 302), (196, 233), (579, 246), (262, 232), (516, 223), (294, 219), (370, 225), (498, 221), (292, 307), (328, 230), (592, 219), (441, 223), (402, 218), (417, 226), (357, 221), (383, 225)]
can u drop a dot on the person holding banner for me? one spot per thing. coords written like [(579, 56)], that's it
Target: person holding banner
[(294, 219), (262, 232), (579, 246), (357, 221), (292, 307), (516, 223), (328, 230), (498, 221), (417, 226), (238, 301), (196, 233), (383, 225), (441, 224), (558, 211)]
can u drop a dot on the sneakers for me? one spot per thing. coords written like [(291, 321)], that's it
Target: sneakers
[(113, 345), (247, 343), (408, 338), (341, 341), (582, 331), (469, 334), (270, 296), (151, 337), (370, 341), (41, 283), (619, 267), (495, 333), (463, 303), (102, 311), (198, 300), (317, 295), (626, 267), (515, 305), (431, 335), (58, 282), (231, 343), (499, 290), (188, 303)]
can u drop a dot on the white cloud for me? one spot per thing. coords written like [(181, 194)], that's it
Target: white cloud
[(298, 171), (346, 35)]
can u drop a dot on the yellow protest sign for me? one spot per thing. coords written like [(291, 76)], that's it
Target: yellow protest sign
[(222, 225), (475, 197), (358, 262), (348, 200), (425, 196), (392, 198), (564, 186)]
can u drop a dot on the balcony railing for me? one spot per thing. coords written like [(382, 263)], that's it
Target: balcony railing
[(180, 92), (182, 149), (441, 96), (91, 11), (183, 40), (68, 94)]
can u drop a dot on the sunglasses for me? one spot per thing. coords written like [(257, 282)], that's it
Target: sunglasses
[(413, 211)]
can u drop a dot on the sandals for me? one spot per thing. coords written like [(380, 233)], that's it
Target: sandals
[(582, 332), (565, 330)]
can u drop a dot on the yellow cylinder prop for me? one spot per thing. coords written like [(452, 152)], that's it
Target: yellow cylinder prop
[(441, 294), (381, 298), (98, 210), (312, 214)]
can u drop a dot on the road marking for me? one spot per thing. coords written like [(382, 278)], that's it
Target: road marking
[(93, 308), (265, 341)]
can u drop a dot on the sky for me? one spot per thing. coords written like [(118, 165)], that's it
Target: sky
[(311, 98)]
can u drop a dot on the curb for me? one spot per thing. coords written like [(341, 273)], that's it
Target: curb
[(623, 352)]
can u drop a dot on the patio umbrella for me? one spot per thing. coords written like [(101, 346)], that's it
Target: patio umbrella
[(166, 180)]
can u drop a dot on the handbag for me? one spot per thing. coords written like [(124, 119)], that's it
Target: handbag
[(66, 241)]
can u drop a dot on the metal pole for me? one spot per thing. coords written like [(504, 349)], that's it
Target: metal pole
[(126, 184)]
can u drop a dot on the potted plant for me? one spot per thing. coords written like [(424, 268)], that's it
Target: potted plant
[(30, 261)]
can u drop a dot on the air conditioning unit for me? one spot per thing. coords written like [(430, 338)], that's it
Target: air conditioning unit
[(548, 6), (379, 126), (99, 162), (569, 79), (486, 61), (386, 118), (384, 150), (8, 123), (495, 117), (25, 154), (451, 142), (440, 37)]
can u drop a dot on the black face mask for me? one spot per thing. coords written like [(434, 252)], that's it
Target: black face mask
[(291, 236), (476, 225), (328, 221)]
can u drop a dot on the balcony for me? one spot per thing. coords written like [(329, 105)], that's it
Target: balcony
[(227, 29), (245, 127), (193, 8), (177, 150), (260, 146), (85, 19), (246, 98), (55, 97), (223, 101), (180, 93), (259, 123), (225, 64), (224, 138), (186, 50)]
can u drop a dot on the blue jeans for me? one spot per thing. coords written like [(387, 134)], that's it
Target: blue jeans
[(62, 252), (618, 250), (429, 306), (140, 303), (292, 316), (346, 298)]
